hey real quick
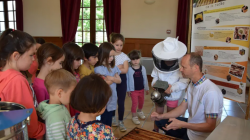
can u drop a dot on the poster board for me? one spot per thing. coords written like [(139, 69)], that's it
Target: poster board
[(220, 34)]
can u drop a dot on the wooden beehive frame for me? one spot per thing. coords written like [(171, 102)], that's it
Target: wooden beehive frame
[(142, 134)]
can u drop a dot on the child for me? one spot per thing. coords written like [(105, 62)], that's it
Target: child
[(73, 57), (50, 57), (137, 81), (34, 66), (59, 83), (91, 99), (121, 61), (106, 67), (17, 49), (90, 59), (166, 55)]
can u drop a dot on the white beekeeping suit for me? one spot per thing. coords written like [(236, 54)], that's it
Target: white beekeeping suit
[(166, 56)]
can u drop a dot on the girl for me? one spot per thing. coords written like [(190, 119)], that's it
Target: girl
[(121, 61), (50, 57), (73, 56), (137, 81), (34, 66), (17, 51), (91, 99), (106, 67)]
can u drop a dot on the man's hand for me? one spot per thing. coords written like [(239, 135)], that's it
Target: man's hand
[(175, 124), (155, 116), (147, 92), (168, 91), (129, 94)]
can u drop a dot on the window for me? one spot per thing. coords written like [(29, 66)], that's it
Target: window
[(91, 26), (7, 14)]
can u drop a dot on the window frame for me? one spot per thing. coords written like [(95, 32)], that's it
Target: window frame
[(93, 20), (6, 14)]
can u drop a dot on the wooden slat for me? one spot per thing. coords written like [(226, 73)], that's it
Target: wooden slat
[(142, 134), (143, 44), (55, 40)]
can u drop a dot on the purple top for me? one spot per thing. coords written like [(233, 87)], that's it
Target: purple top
[(138, 78), (40, 90)]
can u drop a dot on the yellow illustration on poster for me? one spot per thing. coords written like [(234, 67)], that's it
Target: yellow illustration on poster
[(220, 34)]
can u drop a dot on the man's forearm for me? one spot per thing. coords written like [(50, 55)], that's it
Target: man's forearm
[(176, 112), (201, 127)]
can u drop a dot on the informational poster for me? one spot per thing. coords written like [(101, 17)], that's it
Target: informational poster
[(220, 34)]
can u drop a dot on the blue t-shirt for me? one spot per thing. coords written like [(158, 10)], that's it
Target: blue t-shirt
[(138, 79), (102, 70)]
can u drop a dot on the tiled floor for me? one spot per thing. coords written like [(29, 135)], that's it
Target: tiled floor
[(230, 108)]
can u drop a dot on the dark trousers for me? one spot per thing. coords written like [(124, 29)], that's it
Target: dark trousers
[(106, 117), (179, 133), (121, 95)]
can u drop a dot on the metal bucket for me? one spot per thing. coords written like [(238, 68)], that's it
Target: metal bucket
[(14, 119)]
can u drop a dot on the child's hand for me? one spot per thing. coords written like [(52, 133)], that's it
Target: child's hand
[(147, 92), (109, 78), (120, 66), (129, 94), (153, 87), (169, 91)]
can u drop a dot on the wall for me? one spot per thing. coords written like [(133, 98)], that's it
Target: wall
[(139, 20), (42, 18)]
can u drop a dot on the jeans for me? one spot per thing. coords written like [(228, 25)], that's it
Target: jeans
[(106, 117), (121, 95), (137, 97), (179, 133)]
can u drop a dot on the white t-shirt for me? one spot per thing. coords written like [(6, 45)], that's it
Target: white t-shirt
[(179, 84), (121, 58), (203, 99)]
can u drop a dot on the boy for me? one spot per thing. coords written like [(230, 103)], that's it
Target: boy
[(59, 83), (90, 59)]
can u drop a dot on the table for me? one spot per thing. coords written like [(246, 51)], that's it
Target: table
[(231, 128)]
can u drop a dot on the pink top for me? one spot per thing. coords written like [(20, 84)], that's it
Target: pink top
[(72, 111), (15, 88), (40, 90), (77, 77)]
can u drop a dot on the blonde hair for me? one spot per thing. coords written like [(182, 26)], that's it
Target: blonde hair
[(59, 78)]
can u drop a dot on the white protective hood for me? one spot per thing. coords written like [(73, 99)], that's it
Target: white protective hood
[(166, 54)]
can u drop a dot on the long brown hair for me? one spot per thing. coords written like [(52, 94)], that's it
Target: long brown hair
[(72, 52), (103, 55)]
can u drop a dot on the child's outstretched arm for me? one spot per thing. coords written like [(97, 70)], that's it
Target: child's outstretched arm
[(154, 74), (181, 84), (124, 67)]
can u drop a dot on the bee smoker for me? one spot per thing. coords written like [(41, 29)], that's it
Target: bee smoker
[(157, 96)]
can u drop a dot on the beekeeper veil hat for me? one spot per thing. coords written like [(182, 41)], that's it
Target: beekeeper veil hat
[(166, 54)]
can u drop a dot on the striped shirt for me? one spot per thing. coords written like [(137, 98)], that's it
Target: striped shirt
[(57, 131)]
